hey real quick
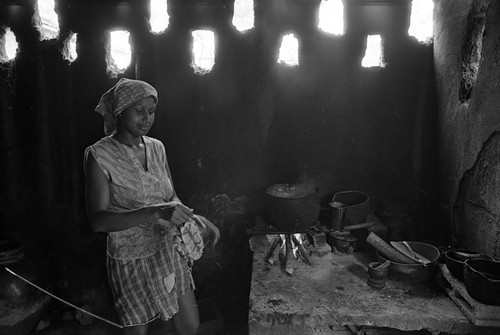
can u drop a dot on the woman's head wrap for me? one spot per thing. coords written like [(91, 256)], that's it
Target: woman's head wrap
[(125, 93)]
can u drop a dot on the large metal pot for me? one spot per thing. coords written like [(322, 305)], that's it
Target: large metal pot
[(291, 208)]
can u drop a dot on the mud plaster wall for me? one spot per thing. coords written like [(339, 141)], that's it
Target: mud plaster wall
[(469, 170), (248, 124)]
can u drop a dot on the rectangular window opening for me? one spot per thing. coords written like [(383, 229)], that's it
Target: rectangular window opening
[(159, 18), (331, 16), (289, 50), (203, 51), (421, 20), (373, 54), (50, 22), (120, 54)]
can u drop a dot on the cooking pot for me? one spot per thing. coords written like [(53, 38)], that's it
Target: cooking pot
[(482, 280), (355, 203), (291, 208), (455, 260)]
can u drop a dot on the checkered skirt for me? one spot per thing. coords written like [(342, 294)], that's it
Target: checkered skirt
[(147, 288)]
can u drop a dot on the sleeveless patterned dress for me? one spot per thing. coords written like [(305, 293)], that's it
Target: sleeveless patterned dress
[(146, 272)]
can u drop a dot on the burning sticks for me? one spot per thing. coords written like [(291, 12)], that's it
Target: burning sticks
[(291, 247), (302, 250), (269, 257)]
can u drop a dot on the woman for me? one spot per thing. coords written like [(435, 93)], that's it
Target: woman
[(130, 196)]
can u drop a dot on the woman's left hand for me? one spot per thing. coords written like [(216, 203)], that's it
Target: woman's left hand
[(209, 228)]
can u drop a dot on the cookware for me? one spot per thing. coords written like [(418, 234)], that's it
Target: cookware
[(416, 272), (455, 260), (377, 274), (482, 280), (355, 203), (291, 208)]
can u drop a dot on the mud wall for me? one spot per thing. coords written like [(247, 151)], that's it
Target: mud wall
[(466, 61)]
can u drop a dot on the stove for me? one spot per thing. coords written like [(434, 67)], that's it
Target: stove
[(289, 247)]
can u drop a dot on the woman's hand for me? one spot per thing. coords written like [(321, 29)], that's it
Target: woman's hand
[(210, 230), (175, 212)]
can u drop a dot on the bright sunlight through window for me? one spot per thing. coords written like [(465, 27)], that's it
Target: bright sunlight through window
[(331, 17), (120, 49), (421, 20), (50, 22), (243, 17), (71, 53), (373, 52), (159, 16), (10, 44), (289, 50), (203, 51)]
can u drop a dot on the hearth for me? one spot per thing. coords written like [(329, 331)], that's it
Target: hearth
[(290, 248)]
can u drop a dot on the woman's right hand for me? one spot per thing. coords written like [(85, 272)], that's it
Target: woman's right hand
[(175, 212)]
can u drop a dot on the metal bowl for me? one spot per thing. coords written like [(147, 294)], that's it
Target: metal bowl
[(415, 272)]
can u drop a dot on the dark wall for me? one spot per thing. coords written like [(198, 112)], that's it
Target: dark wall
[(248, 124), (467, 38)]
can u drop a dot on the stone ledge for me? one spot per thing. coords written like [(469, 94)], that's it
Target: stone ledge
[(333, 293)]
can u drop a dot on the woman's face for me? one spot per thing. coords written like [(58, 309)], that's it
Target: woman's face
[(138, 118)]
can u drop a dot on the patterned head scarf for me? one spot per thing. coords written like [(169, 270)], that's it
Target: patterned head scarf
[(125, 93)]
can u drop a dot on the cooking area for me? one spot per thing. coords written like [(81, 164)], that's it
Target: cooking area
[(334, 295), (304, 282), (250, 167)]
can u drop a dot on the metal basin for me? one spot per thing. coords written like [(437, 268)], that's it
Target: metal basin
[(415, 272)]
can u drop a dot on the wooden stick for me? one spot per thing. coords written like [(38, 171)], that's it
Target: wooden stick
[(387, 250), (270, 253), (288, 256), (302, 250)]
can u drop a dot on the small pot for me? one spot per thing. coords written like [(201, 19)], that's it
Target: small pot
[(342, 241), (377, 274), (482, 280)]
